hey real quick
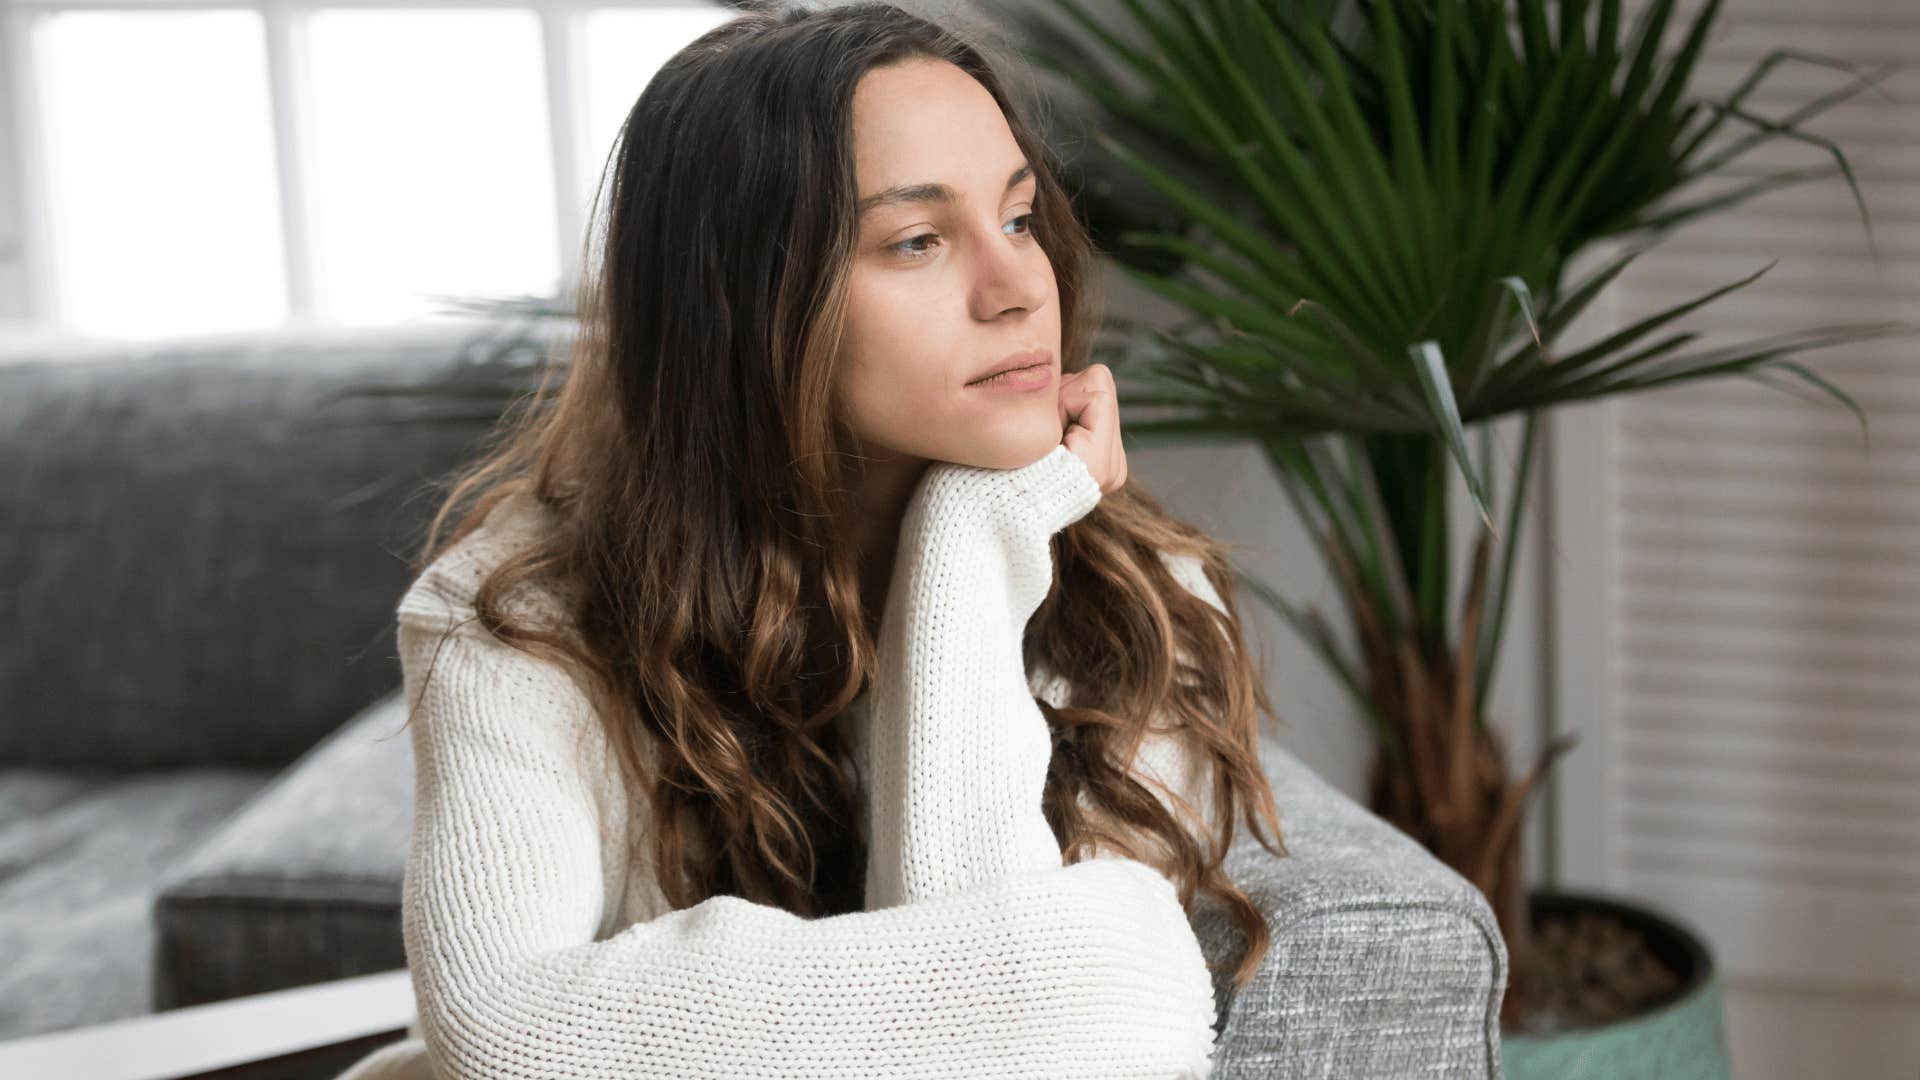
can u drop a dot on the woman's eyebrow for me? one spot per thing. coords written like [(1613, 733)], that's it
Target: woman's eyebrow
[(931, 193)]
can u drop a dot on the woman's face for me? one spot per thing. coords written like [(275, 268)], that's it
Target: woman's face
[(945, 289)]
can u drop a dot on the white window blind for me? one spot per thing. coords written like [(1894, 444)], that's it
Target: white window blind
[(1739, 639)]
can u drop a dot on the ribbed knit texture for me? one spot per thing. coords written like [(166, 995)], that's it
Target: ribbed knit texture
[(537, 951)]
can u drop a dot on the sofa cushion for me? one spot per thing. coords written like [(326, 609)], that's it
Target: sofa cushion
[(302, 884), (81, 855), (206, 538)]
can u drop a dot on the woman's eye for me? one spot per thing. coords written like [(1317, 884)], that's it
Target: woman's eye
[(915, 253), (904, 247)]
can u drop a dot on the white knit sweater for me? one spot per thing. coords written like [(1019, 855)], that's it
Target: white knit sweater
[(539, 950)]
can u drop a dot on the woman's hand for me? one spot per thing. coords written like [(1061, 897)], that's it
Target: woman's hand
[(1090, 415)]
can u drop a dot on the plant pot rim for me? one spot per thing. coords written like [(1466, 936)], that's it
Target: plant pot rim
[(1693, 950)]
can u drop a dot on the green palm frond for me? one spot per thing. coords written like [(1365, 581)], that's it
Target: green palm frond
[(1369, 209)]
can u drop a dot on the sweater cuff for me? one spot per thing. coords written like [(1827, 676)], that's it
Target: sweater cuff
[(1059, 489)]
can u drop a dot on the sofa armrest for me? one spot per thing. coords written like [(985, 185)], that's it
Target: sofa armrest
[(302, 884), (1385, 961)]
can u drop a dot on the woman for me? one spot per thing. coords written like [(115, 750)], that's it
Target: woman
[(795, 696)]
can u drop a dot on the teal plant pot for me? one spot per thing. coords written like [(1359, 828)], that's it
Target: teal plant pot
[(1681, 1038)]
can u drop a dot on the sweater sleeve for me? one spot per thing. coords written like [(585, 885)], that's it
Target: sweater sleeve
[(956, 747), (1088, 970)]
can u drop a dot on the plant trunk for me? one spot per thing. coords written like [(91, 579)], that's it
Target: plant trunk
[(1443, 780), (1461, 830)]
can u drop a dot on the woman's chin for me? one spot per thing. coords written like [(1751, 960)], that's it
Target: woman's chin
[(1017, 449)]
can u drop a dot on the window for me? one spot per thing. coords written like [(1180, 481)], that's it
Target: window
[(161, 181), (278, 162)]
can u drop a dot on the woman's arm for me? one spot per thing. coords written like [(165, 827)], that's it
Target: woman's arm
[(1089, 970), (956, 747), (953, 702), (953, 706)]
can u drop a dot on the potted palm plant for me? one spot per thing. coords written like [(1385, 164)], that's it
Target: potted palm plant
[(1366, 214)]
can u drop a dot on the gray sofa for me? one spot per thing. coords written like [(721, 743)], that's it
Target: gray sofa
[(205, 787)]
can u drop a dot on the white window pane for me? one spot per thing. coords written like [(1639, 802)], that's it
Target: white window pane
[(160, 171), (432, 167), (624, 47)]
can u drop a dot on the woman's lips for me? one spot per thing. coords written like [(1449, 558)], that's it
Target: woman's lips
[(1019, 380)]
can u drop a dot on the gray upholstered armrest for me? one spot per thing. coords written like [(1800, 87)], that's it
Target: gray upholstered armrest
[(302, 884), (1385, 962)]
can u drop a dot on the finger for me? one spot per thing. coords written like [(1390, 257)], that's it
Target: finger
[(1095, 432), (1109, 423), (1103, 408), (1089, 426), (1080, 392), (1072, 397), (1101, 411)]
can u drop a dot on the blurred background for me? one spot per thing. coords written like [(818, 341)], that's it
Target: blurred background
[(1719, 589)]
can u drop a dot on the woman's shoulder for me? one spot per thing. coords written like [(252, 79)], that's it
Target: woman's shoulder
[(443, 593), (482, 700)]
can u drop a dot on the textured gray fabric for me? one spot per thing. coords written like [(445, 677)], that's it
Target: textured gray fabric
[(1384, 963), (80, 858), (302, 884), (202, 550)]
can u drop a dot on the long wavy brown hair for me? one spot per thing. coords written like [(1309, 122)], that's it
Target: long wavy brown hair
[(697, 480)]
